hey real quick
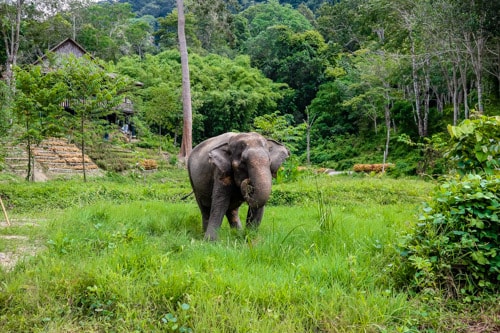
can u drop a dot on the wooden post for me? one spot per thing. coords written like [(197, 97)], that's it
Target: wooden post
[(5, 212)]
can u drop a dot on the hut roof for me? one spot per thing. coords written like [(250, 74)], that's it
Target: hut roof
[(67, 46)]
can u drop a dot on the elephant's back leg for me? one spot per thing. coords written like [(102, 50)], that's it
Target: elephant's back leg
[(232, 212), (233, 218), (205, 215)]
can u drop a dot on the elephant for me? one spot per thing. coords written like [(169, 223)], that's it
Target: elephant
[(230, 169)]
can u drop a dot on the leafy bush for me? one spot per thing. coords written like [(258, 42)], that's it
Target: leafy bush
[(423, 158), (476, 147), (455, 246)]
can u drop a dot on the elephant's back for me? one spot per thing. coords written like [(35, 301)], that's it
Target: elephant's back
[(204, 147), (198, 162)]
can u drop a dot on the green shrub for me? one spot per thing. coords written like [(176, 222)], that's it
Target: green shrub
[(455, 247), (476, 145)]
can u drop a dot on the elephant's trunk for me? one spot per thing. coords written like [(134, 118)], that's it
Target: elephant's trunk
[(257, 188)]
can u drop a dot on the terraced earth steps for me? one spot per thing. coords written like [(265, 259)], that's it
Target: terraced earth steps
[(53, 157), (16, 159), (59, 157), (113, 158)]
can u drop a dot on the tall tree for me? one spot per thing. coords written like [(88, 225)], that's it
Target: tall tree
[(11, 31), (91, 93), (167, 32), (38, 106), (21, 21), (297, 59), (214, 24), (187, 128), (475, 36)]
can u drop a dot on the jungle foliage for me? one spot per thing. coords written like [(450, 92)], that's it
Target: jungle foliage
[(368, 71), (454, 247)]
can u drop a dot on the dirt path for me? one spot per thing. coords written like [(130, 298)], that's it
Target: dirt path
[(16, 246)]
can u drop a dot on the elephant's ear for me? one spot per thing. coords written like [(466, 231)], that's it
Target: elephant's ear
[(278, 153), (220, 157)]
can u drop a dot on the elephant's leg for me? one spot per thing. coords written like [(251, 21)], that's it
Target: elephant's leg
[(254, 217), (233, 218), (220, 205), (205, 211), (205, 216)]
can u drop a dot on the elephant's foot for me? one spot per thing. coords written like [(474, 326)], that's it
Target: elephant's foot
[(210, 236), (211, 233), (254, 217)]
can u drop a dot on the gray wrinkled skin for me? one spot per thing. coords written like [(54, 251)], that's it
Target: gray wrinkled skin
[(230, 169)]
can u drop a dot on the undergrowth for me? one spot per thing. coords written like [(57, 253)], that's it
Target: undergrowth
[(140, 264)]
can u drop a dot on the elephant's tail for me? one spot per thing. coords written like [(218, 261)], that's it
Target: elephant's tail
[(186, 196)]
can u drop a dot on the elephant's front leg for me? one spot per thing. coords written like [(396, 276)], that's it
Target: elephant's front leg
[(254, 217)]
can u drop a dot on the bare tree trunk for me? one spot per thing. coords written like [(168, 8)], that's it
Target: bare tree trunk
[(475, 44), (463, 79), (387, 116), (416, 89), (309, 123), (454, 98), (187, 136), (83, 151), (494, 68), (30, 155), (308, 145), (11, 40), (427, 96)]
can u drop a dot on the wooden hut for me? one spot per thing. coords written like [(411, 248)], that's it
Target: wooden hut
[(66, 47), (69, 46)]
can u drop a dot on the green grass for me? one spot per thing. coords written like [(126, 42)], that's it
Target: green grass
[(140, 264)]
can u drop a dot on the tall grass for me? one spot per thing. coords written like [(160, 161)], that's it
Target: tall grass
[(143, 266)]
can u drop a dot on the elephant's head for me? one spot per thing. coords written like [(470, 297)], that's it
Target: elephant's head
[(251, 160)]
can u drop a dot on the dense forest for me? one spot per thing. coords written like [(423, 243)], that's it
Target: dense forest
[(340, 82)]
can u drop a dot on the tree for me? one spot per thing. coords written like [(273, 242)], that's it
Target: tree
[(5, 113), (38, 106), (343, 23), (156, 8), (162, 109), (11, 30), (167, 33), (232, 93), (102, 29), (138, 33), (264, 15), (214, 24), (92, 94), (309, 122), (227, 94), (376, 77), (187, 128), (280, 128), (297, 59), (21, 21)]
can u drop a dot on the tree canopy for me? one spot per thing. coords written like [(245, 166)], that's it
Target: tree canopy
[(370, 69)]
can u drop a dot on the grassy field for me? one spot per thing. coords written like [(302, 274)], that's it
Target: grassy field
[(126, 254)]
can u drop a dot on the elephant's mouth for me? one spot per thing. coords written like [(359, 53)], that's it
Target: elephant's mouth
[(248, 190)]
